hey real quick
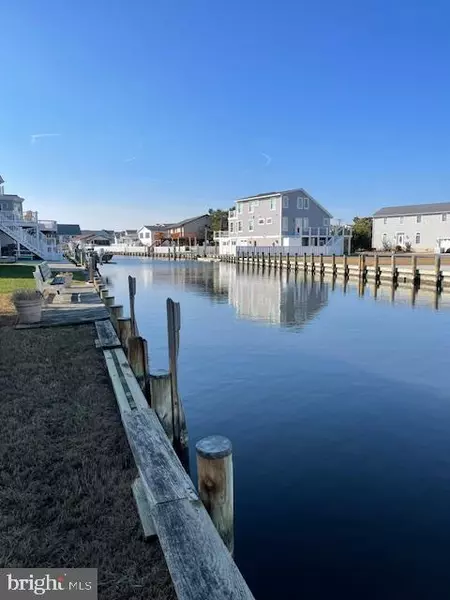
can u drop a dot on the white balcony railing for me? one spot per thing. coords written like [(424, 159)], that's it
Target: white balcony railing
[(48, 226), (221, 234)]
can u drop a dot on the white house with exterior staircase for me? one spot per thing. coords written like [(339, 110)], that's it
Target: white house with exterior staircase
[(22, 234), (290, 221)]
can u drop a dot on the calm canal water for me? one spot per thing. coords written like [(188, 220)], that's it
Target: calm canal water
[(338, 407)]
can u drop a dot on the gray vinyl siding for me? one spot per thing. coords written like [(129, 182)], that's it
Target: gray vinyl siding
[(430, 228), (10, 205), (262, 211), (315, 213)]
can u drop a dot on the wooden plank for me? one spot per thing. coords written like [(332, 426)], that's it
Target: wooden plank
[(143, 508), (162, 473), (122, 398), (130, 380), (199, 563), (107, 335)]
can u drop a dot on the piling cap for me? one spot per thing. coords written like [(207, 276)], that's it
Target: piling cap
[(214, 446)]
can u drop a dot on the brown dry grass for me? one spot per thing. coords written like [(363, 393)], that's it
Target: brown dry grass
[(65, 497)]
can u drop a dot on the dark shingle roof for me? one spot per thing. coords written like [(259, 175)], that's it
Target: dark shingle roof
[(186, 221), (277, 193), (68, 229), (160, 227), (280, 192), (413, 209)]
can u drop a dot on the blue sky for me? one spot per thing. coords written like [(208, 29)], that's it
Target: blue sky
[(163, 108)]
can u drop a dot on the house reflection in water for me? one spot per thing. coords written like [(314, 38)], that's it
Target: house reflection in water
[(274, 298)]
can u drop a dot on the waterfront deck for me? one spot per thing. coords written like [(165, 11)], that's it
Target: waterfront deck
[(73, 306)]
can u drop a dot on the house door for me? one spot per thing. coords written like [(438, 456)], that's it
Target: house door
[(400, 239), (298, 225)]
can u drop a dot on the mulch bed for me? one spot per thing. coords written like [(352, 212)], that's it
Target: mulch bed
[(66, 468)]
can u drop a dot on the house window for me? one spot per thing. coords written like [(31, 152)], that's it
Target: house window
[(231, 227), (141, 235), (385, 238), (250, 207), (273, 203), (285, 224), (326, 221), (239, 208), (401, 220), (300, 203), (255, 202), (261, 221), (444, 217), (147, 234), (419, 218), (285, 201), (385, 220), (306, 203), (239, 225), (417, 238), (269, 221), (251, 225)]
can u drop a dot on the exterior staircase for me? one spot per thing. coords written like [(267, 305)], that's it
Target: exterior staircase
[(16, 227)]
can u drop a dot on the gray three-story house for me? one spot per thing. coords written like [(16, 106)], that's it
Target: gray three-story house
[(289, 218)]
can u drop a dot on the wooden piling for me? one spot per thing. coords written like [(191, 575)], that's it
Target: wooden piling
[(345, 266), (394, 271), (124, 331), (437, 271), (109, 300), (180, 443), (161, 394), (305, 262), (116, 311), (313, 266), (414, 273), (215, 484), (288, 263), (321, 265), (104, 292), (362, 265), (138, 359), (296, 262), (333, 264), (131, 296), (376, 267), (91, 268)]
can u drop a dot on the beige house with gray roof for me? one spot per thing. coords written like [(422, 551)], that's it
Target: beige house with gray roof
[(422, 227)]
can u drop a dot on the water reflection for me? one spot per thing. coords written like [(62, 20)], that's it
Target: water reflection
[(282, 299), (348, 422)]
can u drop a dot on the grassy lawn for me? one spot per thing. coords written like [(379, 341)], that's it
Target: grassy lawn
[(14, 277), (67, 469)]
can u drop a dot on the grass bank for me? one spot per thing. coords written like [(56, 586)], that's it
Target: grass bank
[(67, 468)]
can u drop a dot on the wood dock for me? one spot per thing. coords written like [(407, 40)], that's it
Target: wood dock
[(72, 306)]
